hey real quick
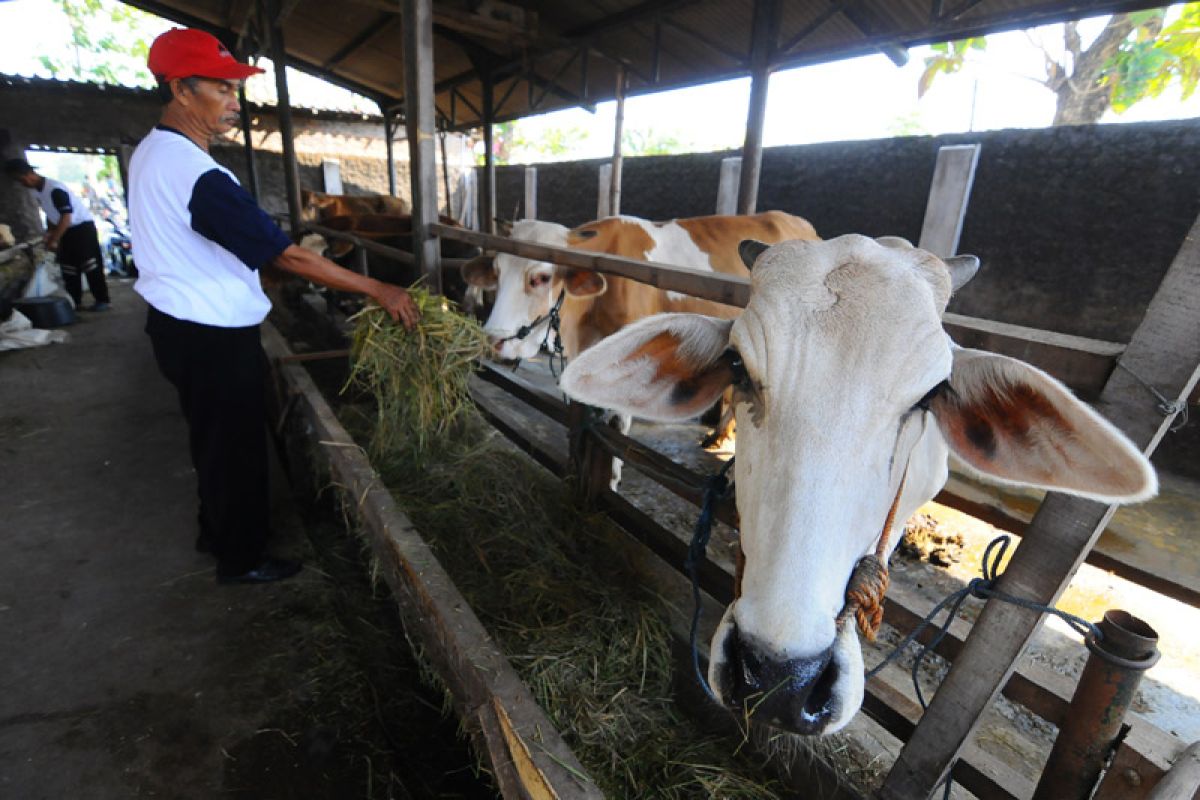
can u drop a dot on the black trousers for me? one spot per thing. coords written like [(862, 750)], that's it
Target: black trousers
[(220, 375), (78, 255)]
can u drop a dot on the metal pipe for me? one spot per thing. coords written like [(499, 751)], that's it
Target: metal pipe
[(1126, 649)]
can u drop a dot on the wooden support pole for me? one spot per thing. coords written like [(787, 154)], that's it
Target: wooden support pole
[(291, 172), (614, 183), (603, 194), (762, 49), (1164, 354), (248, 144), (489, 158), (419, 120), (389, 143)]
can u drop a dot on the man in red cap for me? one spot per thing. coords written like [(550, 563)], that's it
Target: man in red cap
[(200, 239)]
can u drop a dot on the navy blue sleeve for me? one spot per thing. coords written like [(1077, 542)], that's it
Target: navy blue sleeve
[(226, 213), (61, 200)]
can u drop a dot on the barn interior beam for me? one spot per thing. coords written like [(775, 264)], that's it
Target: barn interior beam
[(377, 26), (287, 134), (695, 35), (763, 34)]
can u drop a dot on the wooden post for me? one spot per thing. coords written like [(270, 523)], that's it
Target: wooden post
[(531, 193), (389, 143), (248, 143), (445, 169), (727, 189), (603, 197), (614, 185), (291, 172), (953, 176), (418, 117), (489, 158), (1164, 354), (762, 49)]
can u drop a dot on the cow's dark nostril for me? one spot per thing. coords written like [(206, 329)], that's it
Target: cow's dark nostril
[(795, 694)]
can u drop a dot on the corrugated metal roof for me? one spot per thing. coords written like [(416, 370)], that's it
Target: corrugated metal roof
[(550, 54)]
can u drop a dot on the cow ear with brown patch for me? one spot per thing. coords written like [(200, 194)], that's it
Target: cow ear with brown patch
[(481, 272), (668, 367), (581, 283), (1015, 424)]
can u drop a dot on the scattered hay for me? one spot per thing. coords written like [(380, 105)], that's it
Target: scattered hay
[(594, 650)]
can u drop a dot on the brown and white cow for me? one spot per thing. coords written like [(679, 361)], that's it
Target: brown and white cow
[(318, 206), (849, 397), (597, 305)]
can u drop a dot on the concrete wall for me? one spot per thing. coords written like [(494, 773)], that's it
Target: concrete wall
[(1075, 226)]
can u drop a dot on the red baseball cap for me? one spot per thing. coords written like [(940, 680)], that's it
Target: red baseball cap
[(187, 52)]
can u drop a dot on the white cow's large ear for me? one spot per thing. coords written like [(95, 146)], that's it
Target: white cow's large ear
[(1015, 424), (666, 367), (481, 272)]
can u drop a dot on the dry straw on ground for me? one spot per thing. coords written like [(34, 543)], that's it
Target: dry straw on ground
[(594, 650)]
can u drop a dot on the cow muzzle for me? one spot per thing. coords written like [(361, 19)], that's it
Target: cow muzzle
[(792, 694)]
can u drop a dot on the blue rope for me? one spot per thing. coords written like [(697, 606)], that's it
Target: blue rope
[(716, 488)]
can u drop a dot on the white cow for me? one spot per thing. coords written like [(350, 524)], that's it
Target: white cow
[(849, 396)]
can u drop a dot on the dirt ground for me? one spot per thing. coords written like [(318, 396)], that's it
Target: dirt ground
[(126, 670)]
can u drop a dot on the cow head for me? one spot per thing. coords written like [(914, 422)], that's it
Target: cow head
[(526, 288), (848, 396)]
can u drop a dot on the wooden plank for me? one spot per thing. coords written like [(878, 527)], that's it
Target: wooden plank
[(953, 176), (727, 187), (1082, 364), (728, 289), (553, 407), (420, 122), (1165, 353), (531, 193), (1141, 762), (473, 667), (603, 191)]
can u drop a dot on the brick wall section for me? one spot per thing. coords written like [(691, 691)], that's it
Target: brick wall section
[(1075, 226)]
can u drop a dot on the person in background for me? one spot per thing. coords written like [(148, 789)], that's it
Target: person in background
[(200, 241), (70, 233)]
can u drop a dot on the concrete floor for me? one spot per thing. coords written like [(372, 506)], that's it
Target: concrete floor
[(122, 657), (125, 670)]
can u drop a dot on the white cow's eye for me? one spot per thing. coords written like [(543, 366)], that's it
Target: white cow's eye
[(740, 377), (538, 279), (924, 403)]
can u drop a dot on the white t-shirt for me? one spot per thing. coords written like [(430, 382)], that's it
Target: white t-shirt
[(198, 236), (56, 199)]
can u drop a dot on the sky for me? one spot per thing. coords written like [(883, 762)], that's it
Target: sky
[(862, 98)]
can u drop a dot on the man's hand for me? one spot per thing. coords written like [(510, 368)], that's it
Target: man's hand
[(397, 302), (51, 241)]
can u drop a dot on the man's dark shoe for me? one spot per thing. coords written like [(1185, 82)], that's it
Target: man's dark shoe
[(269, 570)]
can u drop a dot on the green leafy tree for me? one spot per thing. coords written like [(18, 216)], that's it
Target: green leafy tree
[(947, 59), (108, 42), (650, 142), (1136, 56), (512, 144)]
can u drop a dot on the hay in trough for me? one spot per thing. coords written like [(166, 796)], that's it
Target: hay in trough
[(594, 650), (418, 378)]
